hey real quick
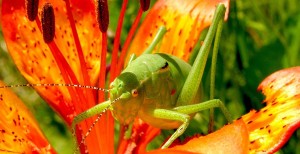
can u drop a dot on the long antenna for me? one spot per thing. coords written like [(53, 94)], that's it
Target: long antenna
[(94, 123), (54, 85)]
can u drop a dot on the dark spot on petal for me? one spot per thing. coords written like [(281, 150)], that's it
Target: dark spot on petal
[(180, 31)]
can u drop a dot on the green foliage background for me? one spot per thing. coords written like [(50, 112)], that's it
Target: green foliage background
[(260, 37)]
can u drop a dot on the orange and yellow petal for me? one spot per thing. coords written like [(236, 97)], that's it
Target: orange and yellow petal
[(271, 127), (33, 56), (184, 21), (233, 138), (19, 132), (36, 61)]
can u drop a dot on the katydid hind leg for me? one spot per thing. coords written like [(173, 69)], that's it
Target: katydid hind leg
[(214, 103), (176, 116), (194, 78), (213, 72)]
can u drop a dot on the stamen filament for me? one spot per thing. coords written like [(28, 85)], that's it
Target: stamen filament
[(90, 99), (107, 124), (128, 40), (65, 69), (114, 58), (103, 65), (77, 44)]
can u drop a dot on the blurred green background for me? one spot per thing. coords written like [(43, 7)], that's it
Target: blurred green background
[(260, 37)]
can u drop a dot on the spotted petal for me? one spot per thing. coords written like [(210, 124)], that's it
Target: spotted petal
[(34, 58), (271, 127), (184, 21), (57, 61), (19, 132), (232, 138)]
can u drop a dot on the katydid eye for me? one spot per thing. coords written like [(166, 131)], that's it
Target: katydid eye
[(134, 93)]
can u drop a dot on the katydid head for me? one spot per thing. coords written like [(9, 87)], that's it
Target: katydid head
[(126, 87)]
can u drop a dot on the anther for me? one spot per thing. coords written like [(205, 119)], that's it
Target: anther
[(145, 4), (48, 22), (102, 15), (31, 9)]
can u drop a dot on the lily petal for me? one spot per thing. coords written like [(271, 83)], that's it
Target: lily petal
[(184, 21), (271, 127), (38, 62), (232, 138), (19, 132), (34, 59)]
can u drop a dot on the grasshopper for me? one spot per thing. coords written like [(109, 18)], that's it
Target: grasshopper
[(161, 89)]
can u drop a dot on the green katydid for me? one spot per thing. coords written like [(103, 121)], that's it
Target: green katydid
[(160, 89)]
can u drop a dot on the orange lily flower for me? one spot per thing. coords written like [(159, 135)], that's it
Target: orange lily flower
[(73, 56)]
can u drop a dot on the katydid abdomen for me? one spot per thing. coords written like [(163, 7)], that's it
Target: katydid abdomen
[(152, 81)]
